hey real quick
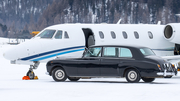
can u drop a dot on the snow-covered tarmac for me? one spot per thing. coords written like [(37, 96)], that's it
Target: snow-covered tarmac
[(13, 88)]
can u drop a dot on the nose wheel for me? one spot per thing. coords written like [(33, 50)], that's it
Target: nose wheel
[(30, 75)]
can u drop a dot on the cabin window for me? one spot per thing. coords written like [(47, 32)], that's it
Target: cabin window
[(58, 35), (125, 52), (66, 36), (93, 52), (125, 35), (47, 34), (150, 35), (110, 52), (113, 35), (101, 35), (136, 35)]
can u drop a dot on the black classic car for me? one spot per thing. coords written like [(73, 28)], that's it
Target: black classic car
[(132, 62)]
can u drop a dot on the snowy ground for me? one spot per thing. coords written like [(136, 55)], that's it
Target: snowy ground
[(13, 88)]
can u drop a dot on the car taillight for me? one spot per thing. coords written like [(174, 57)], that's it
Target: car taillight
[(159, 66)]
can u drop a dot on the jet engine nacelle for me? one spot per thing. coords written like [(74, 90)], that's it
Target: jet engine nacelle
[(172, 32)]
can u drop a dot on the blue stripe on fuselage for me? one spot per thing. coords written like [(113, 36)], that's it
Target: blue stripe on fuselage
[(163, 49), (53, 55), (50, 52)]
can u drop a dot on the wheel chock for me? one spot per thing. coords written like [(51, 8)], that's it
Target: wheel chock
[(35, 78), (26, 78)]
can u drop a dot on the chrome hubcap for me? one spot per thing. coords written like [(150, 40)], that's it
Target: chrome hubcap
[(59, 74), (132, 75)]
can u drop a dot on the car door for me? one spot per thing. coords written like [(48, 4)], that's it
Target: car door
[(109, 62), (90, 62), (125, 59)]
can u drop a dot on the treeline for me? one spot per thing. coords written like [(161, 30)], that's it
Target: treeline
[(110, 11), (18, 15), (3, 30), (38, 14)]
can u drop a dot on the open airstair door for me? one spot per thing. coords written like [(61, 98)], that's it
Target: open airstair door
[(89, 37), (177, 49)]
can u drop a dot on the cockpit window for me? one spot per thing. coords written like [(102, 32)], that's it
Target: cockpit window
[(146, 51), (58, 35), (47, 34), (66, 36)]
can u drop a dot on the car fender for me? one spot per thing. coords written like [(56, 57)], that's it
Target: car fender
[(55, 66), (130, 67)]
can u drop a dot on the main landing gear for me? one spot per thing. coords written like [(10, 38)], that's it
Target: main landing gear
[(30, 74)]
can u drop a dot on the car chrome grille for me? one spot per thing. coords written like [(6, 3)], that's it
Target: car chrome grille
[(168, 66)]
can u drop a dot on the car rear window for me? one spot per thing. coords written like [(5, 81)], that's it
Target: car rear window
[(146, 51)]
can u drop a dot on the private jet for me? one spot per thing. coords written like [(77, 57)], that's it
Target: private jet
[(70, 40)]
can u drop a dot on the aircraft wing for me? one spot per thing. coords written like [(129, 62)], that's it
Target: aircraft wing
[(169, 58)]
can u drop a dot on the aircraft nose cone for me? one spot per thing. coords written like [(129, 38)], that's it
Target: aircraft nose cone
[(9, 54), (6, 56)]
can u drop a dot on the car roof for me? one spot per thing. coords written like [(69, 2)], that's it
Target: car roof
[(128, 46)]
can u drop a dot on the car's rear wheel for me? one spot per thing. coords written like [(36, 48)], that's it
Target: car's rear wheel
[(59, 74), (73, 78), (148, 79), (132, 76)]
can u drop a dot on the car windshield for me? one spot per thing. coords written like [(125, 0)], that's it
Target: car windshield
[(146, 51), (47, 34)]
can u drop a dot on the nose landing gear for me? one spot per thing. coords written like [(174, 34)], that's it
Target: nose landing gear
[(30, 74)]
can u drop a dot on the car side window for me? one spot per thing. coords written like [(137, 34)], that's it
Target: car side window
[(110, 52), (125, 52), (93, 52), (58, 35)]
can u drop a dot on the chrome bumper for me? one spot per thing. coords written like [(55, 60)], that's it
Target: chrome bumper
[(165, 73)]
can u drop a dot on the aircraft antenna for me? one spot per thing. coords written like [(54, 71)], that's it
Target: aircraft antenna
[(119, 21), (159, 23)]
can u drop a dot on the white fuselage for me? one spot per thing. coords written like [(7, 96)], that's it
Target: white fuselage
[(45, 49)]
